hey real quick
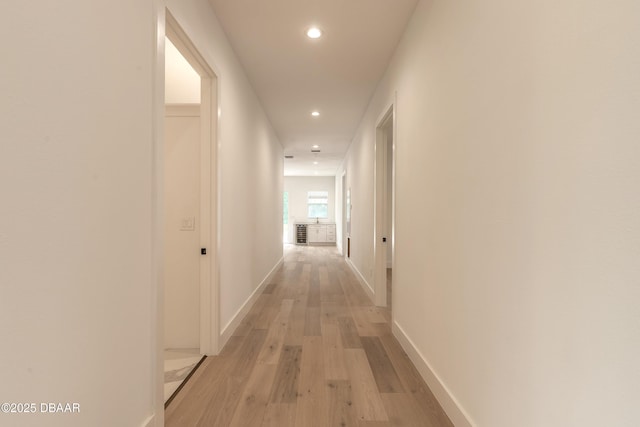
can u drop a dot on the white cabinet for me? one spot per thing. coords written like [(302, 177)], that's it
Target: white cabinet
[(316, 233), (331, 233), (321, 233)]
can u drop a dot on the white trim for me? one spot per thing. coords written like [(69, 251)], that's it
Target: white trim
[(150, 422), (363, 282), (233, 324), (392, 238), (157, 225), (447, 400), (343, 216)]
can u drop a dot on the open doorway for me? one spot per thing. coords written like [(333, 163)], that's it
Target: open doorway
[(345, 247), (286, 234), (190, 274), (384, 208)]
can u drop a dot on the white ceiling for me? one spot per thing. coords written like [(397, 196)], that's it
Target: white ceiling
[(294, 75)]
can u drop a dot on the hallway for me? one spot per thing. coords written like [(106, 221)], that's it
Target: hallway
[(313, 351)]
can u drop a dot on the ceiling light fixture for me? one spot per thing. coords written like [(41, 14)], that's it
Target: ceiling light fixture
[(314, 33), (315, 113), (315, 163), (315, 146)]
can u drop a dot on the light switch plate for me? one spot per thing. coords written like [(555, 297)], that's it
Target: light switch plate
[(188, 223)]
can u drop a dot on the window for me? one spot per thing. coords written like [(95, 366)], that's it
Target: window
[(318, 204)]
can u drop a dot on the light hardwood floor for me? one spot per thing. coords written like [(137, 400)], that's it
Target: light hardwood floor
[(313, 351)]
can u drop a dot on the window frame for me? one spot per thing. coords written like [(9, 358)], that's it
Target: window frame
[(312, 202)]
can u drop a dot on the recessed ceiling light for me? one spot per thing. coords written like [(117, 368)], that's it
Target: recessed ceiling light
[(315, 113), (315, 146), (314, 33)]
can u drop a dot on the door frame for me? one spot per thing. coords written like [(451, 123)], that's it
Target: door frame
[(209, 329), (343, 226), (288, 224), (387, 118), (167, 25)]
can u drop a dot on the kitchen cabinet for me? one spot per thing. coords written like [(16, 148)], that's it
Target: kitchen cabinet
[(331, 233), (321, 234)]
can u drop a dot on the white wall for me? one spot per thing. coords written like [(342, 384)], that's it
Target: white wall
[(298, 187), (517, 209), (77, 162), (250, 162), (76, 213), (182, 243)]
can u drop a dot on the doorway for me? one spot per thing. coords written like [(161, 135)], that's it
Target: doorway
[(343, 225), (190, 309), (286, 235), (384, 208)]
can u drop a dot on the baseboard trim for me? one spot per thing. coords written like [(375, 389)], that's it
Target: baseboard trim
[(363, 282), (233, 324), (449, 403)]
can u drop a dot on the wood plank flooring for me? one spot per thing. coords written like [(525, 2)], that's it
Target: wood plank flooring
[(313, 351)]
